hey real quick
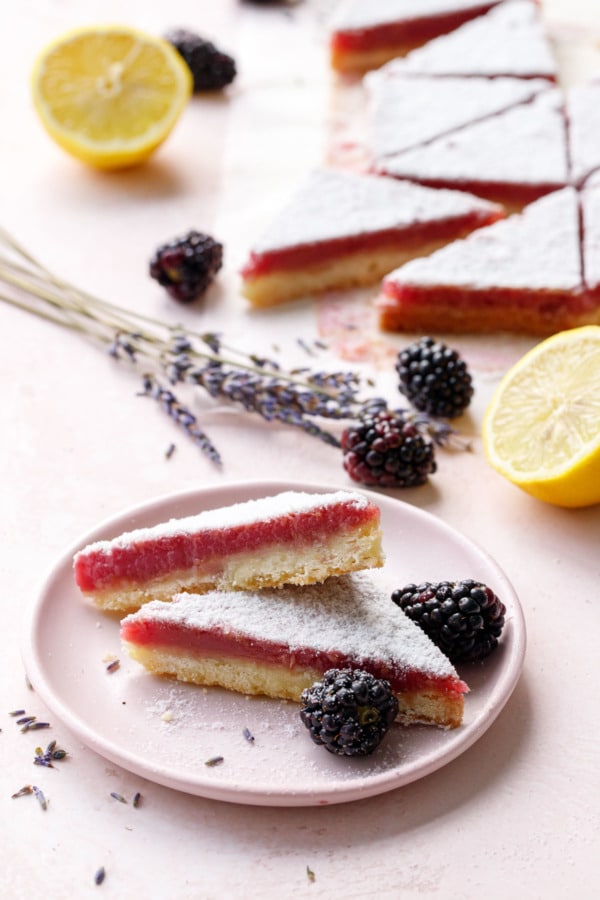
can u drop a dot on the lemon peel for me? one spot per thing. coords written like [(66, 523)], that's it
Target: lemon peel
[(541, 429), (110, 95)]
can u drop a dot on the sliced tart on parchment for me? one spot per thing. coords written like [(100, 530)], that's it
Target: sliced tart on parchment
[(508, 40), (512, 158), (344, 230), (522, 275), (365, 35)]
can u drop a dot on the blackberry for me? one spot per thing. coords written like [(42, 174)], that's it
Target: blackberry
[(186, 265), (348, 712), (464, 618), (386, 449), (211, 68), (434, 378)]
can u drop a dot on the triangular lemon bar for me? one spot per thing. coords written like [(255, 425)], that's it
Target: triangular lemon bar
[(508, 40), (294, 537), (521, 275), (405, 112), (344, 230), (512, 158), (276, 643), (365, 35)]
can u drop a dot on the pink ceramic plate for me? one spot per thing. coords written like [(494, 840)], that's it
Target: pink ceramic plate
[(166, 731)]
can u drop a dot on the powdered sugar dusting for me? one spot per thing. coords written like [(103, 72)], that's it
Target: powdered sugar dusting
[(405, 111), (508, 40), (583, 109), (590, 200), (523, 145), (360, 14), (261, 510), (333, 205), (537, 249), (353, 615)]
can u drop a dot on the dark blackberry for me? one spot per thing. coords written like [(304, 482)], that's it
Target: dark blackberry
[(385, 449), (187, 265), (434, 378), (348, 712), (464, 618), (211, 68)]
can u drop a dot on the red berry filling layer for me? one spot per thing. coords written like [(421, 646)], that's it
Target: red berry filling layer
[(409, 32), (230, 645), (545, 302), (411, 238), (137, 559)]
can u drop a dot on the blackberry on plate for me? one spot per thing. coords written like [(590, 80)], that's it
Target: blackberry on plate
[(464, 618), (211, 68), (349, 711), (434, 378), (187, 265), (386, 449)]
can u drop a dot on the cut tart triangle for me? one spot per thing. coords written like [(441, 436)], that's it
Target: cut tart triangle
[(343, 230), (522, 275), (513, 158), (365, 35), (405, 112), (509, 40), (278, 642)]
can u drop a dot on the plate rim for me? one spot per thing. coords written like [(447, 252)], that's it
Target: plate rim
[(360, 788)]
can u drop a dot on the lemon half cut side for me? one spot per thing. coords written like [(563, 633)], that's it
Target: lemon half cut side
[(110, 95), (542, 427)]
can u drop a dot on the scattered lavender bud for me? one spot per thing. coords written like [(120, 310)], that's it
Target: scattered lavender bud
[(40, 797), (310, 874), (27, 789), (46, 757), (100, 875), (17, 712), (113, 665), (214, 761), (137, 799), (248, 735), (118, 797)]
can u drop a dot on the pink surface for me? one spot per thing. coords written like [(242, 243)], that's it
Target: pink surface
[(513, 816), (121, 717)]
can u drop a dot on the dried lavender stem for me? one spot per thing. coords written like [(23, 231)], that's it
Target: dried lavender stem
[(120, 321), (255, 383)]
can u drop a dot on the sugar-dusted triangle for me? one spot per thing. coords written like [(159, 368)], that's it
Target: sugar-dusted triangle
[(278, 642), (509, 40), (364, 35), (343, 230), (522, 275), (512, 158), (405, 111)]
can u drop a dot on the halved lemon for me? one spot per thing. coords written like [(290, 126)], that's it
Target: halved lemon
[(542, 427), (110, 95)]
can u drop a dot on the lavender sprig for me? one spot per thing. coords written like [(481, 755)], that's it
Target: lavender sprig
[(254, 383), (439, 430)]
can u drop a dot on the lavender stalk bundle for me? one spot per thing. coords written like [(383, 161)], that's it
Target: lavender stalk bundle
[(167, 356)]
